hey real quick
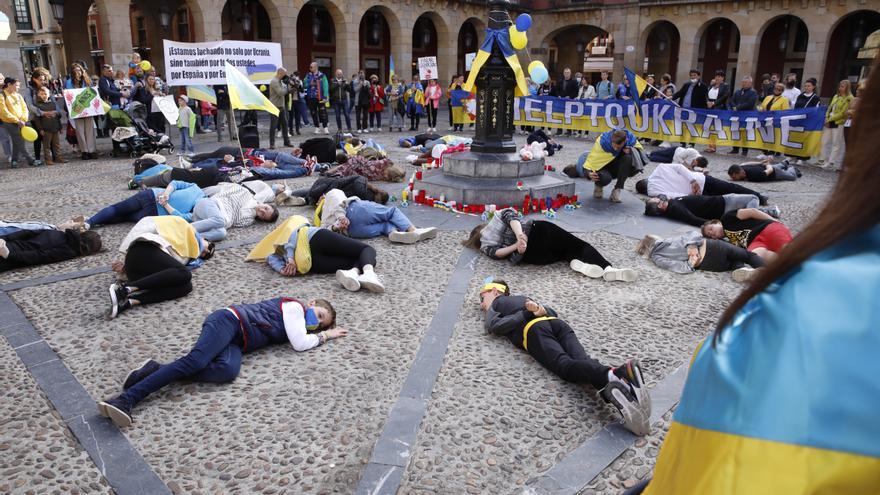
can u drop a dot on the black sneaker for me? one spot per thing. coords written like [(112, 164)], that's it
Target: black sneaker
[(134, 376), (133, 185), (118, 410), (798, 172), (118, 299), (631, 372), (630, 397)]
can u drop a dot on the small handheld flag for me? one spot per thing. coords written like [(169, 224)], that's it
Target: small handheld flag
[(243, 95), (202, 93), (391, 68), (637, 85)]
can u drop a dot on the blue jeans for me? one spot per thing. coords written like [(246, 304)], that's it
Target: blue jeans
[(283, 159), (186, 143), (208, 220), (340, 108), (280, 173), (303, 110), (142, 204), (215, 358), (368, 219)]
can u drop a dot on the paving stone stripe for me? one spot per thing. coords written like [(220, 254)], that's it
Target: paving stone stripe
[(122, 466), (578, 468), (392, 451)]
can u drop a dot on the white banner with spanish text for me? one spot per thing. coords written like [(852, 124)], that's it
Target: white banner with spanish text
[(202, 63)]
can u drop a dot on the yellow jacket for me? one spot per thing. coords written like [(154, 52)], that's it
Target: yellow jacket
[(780, 103), (13, 109)]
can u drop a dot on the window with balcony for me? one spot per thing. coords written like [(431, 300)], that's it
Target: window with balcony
[(183, 25), (23, 15), (93, 36), (141, 28)]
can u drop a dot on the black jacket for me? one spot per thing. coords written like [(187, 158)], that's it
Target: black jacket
[(699, 96), (339, 90), (723, 96), (355, 185), (222, 96), (695, 210), (39, 247), (322, 148), (567, 88), (743, 99), (508, 317), (804, 101)]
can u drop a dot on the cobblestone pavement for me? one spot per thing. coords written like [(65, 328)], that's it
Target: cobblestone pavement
[(307, 423)]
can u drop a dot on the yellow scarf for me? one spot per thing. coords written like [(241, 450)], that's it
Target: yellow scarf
[(276, 239), (179, 234)]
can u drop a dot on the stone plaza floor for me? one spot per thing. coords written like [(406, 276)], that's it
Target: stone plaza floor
[(416, 400)]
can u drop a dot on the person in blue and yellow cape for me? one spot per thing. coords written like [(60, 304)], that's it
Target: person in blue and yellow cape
[(227, 334), (616, 154), (414, 99), (783, 398), (159, 254), (538, 330), (296, 247)]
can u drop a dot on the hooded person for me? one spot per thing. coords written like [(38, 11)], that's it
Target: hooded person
[(615, 154)]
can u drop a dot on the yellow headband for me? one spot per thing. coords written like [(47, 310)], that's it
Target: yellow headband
[(493, 285)]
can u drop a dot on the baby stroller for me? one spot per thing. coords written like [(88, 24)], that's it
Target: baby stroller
[(137, 138)]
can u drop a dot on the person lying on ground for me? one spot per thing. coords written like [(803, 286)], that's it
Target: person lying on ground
[(177, 199), (262, 163), (615, 155), (354, 185), (228, 206), (378, 170), (29, 247), (674, 181), (296, 248), (699, 209), (539, 136), (159, 254), (538, 242), (751, 229), (226, 335), (764, 171), (689, 157), (360, 219), (7, 228), (538, 330), (162, 175), (690, 252)]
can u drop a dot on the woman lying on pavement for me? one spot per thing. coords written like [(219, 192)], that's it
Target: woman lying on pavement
[(178, 199), (362, 219), (751, 229), (227, 334), (228, 206), (690, 252), (355, 185), (159, 254), (296, 247), (699, 209), (538, 242), (538, 330), (23, 245)]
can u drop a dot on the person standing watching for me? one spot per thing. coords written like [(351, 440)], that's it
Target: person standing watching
[(832, 137), (604, 90), (791, 90), (339, 100), (693, 94), (743, 99), (317, 94), (85, 126), (278, 90), (224, 112), (14, 116)]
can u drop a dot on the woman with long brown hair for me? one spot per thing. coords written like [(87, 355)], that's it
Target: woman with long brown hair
[(84, 127), (783, 397)]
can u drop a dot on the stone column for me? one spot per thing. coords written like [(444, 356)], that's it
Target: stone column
[(749, 48), (284, 31), (207, 20), (632, 30), (688, 53), (817, 52), (116, 29), (348, 51), (75, 34)]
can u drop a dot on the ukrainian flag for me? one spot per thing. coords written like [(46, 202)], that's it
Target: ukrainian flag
[(202, 93), (243, 95), (502, 38), (391, 68), (262, 73), (637, 85), (788, 399)]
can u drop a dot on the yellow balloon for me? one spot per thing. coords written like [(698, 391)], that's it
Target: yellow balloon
[(28, 133), (535, 63), (262, 87), (517, 38), (146, 65)]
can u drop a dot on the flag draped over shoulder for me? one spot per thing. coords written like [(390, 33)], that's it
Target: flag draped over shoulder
[(202, 93), (243, 95), (502, 38)]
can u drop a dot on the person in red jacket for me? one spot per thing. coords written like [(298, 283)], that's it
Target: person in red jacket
[(377, 103), (207, 111)]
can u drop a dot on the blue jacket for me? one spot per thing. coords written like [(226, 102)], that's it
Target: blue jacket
[(743, 99), (183, 199), (262, 323), (107, 90)]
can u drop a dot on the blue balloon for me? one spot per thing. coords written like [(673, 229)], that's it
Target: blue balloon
[(540, 75), (523, 22)]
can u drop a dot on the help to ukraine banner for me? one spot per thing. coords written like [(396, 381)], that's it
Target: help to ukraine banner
[(793, 132), (464, 106)]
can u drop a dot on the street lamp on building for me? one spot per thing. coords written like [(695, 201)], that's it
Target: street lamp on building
[(245, 17), (316, 25), (57, 10), (164, 17)]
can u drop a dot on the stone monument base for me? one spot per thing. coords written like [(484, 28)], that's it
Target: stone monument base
[(488, 178)]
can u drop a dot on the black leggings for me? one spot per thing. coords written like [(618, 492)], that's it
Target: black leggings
[(432, 115), (414, 118), (332, 251), (157, 276), (376, 117), (549, 243), (620, 168), (218, 153), (723, 256), (553, 344), (361, 114), (718, 187)]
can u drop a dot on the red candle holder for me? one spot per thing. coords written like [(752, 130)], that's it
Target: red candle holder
[(418, 175)]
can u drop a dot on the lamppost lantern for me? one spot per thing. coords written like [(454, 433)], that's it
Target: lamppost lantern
[(164, 17), (376, 27), (858, 39), (426, 36), (316, 25), (661, 43), (57, 10), (469, 39)]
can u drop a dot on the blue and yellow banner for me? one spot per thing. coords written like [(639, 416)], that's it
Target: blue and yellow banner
[(500, 37), (464, 106), (793, 132)]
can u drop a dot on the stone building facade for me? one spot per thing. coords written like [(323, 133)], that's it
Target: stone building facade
[(813, 38)]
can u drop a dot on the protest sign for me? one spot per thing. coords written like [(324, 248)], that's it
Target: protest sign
[(469, 60), (168, 107), (83, 102), (203, 63), (427, 68)]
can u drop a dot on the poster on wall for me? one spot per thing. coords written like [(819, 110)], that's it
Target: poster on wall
[(83, 102), (469, 60), (202, 63), (427, 68)]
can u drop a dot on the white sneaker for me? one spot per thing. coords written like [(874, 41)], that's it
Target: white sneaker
[(371, 282), (366, 131), (744, 274), (412, 158), (326, 130), (592, 271), (317, 130), (619, 274), (762, 156), (349, 279), (426, 233), (414, 236)]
